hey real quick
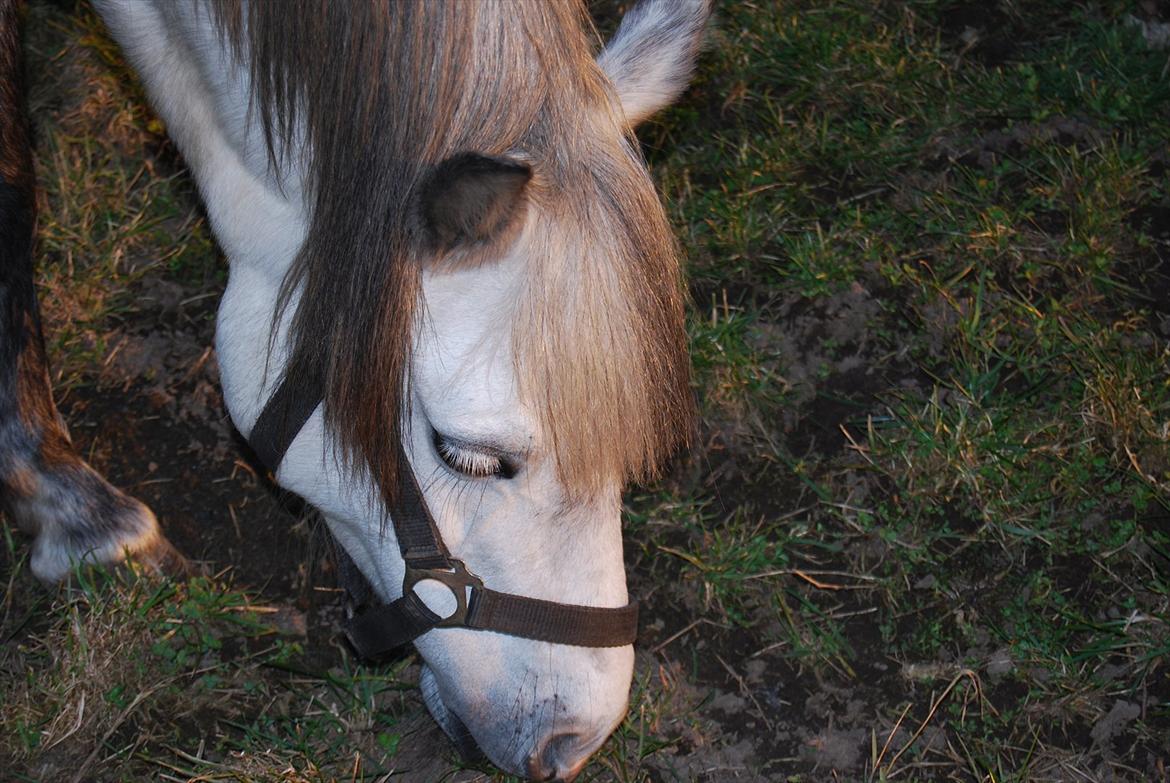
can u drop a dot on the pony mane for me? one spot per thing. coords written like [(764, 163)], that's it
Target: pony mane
[(598, 336)]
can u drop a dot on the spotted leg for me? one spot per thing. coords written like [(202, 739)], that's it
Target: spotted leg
[(51, 493)]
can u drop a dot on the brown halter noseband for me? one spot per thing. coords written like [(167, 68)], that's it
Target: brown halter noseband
[(377, 628)]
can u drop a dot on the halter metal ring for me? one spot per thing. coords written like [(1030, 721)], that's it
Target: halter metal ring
[(457, 579)]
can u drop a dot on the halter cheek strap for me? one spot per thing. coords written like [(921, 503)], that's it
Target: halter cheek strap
[(376, 628)]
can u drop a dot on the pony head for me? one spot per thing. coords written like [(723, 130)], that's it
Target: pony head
[(488, 278)]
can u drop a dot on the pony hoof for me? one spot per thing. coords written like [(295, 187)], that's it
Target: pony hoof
[(79, 517), (161, 557)]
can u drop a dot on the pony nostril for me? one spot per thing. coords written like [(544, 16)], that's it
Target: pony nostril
[(560, 759)]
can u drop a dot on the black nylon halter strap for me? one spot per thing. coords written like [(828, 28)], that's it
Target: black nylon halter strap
[(375, 629), (282, 419), (547, 621), (379, 629), (418, 536)]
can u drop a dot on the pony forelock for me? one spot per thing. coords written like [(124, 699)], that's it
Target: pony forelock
[(598, 335)]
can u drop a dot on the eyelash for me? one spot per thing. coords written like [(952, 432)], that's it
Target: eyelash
[(471, 463)]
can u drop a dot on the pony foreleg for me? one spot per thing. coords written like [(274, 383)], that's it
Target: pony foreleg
[(45, 487)]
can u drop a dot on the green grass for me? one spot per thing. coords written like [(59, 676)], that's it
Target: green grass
[(929, 503), (1004, 477), (128, 670)]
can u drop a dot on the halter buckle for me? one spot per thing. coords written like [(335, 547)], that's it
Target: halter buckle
[(456, 578)]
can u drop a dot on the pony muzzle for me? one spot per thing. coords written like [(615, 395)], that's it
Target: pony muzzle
[(559, 756)]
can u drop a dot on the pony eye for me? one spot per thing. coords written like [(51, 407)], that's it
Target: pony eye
[(470, 461)]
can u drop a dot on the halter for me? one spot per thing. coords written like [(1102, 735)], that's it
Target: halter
[(375, 627)]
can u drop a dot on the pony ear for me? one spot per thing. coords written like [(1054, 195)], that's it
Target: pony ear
[(471, 198), (652, 56)]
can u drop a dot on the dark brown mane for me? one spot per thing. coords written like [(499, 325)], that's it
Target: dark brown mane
[(381, 92)]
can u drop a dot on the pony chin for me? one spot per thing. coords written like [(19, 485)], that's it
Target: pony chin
[(448, 721)]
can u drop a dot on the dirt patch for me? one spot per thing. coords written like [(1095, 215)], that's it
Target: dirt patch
[(995, 34), (153, 420), (981, 31), (1149, 275), (835, 361), (1004, 139)]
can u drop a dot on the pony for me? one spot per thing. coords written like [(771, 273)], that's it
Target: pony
[(438, 222)]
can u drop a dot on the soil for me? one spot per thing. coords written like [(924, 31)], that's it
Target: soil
[(156, 424)]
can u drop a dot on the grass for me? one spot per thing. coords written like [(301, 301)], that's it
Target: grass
[(131, 672), (116, 205), (924, 533), (1002, 474)]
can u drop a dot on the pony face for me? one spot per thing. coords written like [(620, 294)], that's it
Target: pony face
[(490, 478), (489, 475), (547, 368)]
